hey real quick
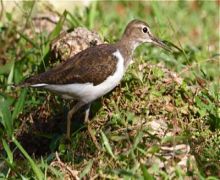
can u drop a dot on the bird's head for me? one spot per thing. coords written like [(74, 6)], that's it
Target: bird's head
[(138, 32)]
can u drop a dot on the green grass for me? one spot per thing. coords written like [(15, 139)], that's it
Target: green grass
[(32, 122)]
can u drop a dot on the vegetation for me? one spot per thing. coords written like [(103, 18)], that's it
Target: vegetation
[(163, 121)]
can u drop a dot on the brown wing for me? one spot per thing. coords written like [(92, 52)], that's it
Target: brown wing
[(92, 65)]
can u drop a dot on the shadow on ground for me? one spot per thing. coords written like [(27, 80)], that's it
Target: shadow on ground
[(43, 135)]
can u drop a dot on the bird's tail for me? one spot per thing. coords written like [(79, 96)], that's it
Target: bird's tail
[(29, 82)]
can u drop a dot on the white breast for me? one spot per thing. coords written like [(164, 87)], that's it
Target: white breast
[(88, 92)]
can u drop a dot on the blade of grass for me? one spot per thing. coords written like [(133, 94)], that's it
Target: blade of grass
[(181, 47), (23, 178), (137, 140), (107, 145), (27, 39), (19, 104), (9, 155), (74, 21), (92, 14), (58, 27), (8, 151), (146, 173), (5, 117), (157, 11), (87, 169), (37, 171), (6, 68), (46, 47)]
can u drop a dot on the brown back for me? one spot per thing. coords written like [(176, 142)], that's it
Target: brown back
[(92, 65)]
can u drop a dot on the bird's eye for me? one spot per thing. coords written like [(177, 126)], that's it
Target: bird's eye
[(145, 30)]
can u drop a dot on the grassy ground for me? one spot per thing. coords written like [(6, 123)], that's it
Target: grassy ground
[(165, 109)]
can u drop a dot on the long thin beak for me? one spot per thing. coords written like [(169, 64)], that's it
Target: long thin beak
[(159, 43)]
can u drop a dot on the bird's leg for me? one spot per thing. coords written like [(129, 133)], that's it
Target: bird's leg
[(86, 120), (70, 115)]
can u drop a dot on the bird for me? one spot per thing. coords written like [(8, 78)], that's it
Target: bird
[(95, 71)]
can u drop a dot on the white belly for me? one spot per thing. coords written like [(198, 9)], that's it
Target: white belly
[(88, 92)]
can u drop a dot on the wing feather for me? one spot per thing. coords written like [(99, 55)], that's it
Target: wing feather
[(92, 65)]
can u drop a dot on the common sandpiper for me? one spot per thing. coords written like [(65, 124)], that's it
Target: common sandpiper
[(96, 70)]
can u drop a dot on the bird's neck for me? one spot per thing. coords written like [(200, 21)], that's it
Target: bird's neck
[(126, 47)]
